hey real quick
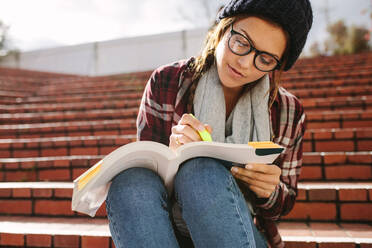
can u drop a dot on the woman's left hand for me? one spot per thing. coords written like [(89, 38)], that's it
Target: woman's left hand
[(262, 179)]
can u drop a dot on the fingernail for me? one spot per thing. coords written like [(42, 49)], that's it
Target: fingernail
[(201, 128), (248, 166), (234, 169)]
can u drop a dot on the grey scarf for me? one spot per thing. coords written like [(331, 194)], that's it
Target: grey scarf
[(249, 121)]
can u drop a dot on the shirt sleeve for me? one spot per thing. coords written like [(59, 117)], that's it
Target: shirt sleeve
[(283, 198), (152, 112)]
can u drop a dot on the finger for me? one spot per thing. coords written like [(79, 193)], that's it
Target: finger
[(183, 139), (257, 183), (187, 119), (209, 128), (261, 193), (264, 168), (253, 175), (187, 131)]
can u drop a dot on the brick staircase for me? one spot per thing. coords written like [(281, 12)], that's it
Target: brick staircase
[(53, 127)]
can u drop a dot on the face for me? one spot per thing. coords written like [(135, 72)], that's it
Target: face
[(235, 71)]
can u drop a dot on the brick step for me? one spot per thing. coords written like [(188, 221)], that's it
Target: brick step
[(62, 146), (315, 140), (331, 166), (38, 169), (315, 120), (338, 103), (64, 91), (99, 114), (335, 201), (119, 96), (350, 166), (33, 232), (355, 74), (339, 119), (70, 129), (338, 140), (66, 107), (324, 91), (326, 83)]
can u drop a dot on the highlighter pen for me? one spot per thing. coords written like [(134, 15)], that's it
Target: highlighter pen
[(204, 135)]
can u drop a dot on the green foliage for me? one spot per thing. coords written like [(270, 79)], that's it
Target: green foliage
[(347, 40)]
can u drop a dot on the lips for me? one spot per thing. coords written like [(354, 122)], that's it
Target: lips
[(237, 73)]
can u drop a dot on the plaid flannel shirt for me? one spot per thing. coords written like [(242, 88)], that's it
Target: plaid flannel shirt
[(165, 100)]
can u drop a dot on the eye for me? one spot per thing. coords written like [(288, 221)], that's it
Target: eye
[(267, 60)]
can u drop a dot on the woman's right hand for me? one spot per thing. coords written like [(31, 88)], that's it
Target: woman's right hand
[(186, 131)]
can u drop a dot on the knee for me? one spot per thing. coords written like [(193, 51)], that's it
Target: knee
[(198, 177), (134, 187)]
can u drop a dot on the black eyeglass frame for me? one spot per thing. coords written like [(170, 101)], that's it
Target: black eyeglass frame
[(252, 48)]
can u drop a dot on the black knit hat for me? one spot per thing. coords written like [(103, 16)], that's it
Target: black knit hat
[(294, 16)]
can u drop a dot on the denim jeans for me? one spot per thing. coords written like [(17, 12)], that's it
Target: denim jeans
[(212, 205)]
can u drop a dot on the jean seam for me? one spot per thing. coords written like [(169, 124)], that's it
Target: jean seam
[(236, 203), (114, 228)]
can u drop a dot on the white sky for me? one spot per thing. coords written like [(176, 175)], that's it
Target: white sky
[(37, 24)]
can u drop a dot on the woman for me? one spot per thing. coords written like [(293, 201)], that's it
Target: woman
[(232, 89)]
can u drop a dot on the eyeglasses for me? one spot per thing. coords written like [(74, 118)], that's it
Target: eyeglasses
[(242, 45)]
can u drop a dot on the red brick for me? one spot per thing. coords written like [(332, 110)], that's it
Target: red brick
[(46, 207), (301, 194), (335, 158), (4, 193), (291, 244), (307, 146), (365, 245), (61, 163), (38, 240), (348, 172), (305, 210), (353, 194), (95, 242), (21, 192), (63, 193), (76, 172), (344, 134), (333, 146), (364, 145), (370, 194), (363, 134), (90, 142), (106, 150), (322, 195), (356, 211), (66, 241), (102, 211), (323, 135), (55, 175), (54, 152), (311, 172), (42, 193), (312, 159), (84, 151), (354, 124), (13, 176), (28, 165), (15, 206), (5, 154), (12, 239), (360, 159), (25, 153), (336, 245)]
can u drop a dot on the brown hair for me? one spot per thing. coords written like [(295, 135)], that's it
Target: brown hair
[(205, 60)]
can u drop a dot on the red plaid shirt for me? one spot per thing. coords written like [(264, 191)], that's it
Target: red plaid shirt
[(165, 100)]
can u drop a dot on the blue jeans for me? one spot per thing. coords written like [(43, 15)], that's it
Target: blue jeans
[(213, 207)]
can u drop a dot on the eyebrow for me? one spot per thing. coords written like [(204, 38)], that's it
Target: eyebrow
[(249, 38)]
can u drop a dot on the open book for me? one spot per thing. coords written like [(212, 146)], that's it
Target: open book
[(91, 188)]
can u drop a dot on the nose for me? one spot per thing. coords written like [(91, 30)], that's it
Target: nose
[(246, 61)]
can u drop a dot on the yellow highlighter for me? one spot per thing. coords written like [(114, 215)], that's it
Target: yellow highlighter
[(204, 135)]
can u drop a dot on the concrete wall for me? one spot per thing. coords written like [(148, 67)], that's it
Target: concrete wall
[(114, 56)]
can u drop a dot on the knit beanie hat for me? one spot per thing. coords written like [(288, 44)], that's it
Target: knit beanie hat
[(294, 16)]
